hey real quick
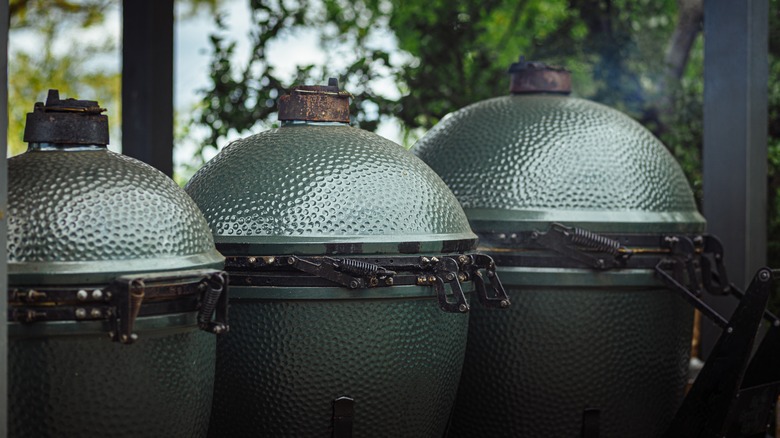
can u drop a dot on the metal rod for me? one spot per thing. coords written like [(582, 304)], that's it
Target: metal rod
[(735, 138), (4, 20), (147, 82)]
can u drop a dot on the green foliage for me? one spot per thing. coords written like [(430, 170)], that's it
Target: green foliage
[(33, 70)]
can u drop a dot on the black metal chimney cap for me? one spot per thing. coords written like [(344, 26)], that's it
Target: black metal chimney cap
[(68, 121)]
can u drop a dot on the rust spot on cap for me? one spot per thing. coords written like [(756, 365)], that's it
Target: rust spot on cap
[(537, 77), (66, 121), (316, 103)]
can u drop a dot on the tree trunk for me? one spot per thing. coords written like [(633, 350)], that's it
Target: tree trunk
[(689, 22)]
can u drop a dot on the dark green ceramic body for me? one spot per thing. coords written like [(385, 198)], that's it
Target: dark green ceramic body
[(325, 189), (75, 382), (574, 339), (285, 361), (81, 216)]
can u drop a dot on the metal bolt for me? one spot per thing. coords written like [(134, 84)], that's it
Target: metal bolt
[(82, 295), (502, 236), (374, 281), (491, 274), (96, 313), (535, 235), (81, 313), (269, 260), (434, 260), (513, 236), (730, 330), (108, 295), (354, 284), (478, 274), (425, 260), (431, 279), (33, 295), (111, 335), (124, 338), (134, 337), (97, 294), (600, 263), (252, 260), (463, 308), (505, 304), (422, 280), (450, 276), (290, 260), (463, 259), (764, 275), (389, 281), (463, 277)]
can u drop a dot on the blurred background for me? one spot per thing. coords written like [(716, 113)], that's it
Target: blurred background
[(408, 64)]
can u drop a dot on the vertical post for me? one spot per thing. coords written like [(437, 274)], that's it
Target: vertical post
[(4, 21), (147, 82), (736, 69)]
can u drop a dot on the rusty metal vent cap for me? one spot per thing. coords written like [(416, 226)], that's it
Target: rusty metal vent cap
[(315, 103), (538, 77), (68, 121)]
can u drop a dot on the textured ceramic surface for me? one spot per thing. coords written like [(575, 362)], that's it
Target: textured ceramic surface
[(533, 369), (85, 216), (333, 182), (286, 359), (92, 213), (283, 363), (517, 163), (536, 158), (89, 386)]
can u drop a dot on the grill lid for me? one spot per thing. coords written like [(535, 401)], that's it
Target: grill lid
[(87, 215), (519, 162), (324, 188)]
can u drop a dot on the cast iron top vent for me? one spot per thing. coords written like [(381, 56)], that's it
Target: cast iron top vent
[(68, 121), (537, 77), (315, 103)]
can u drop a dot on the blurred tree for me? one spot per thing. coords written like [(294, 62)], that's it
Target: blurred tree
[(51, 60), (53, 53), (455, 52)]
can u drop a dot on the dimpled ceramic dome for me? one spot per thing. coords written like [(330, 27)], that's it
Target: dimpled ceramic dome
[(94, 211), (548, 157), (332, 182)]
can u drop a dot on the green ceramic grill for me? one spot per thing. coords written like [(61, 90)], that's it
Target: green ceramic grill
[(577, 203), (114, 282), (350, 265)]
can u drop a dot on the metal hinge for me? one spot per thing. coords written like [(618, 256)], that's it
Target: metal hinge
[(595, 251), (430, 271), (213, 312)]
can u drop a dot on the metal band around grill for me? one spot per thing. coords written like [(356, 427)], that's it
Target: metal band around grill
[(127, 298), (687, 264), (358, 273)]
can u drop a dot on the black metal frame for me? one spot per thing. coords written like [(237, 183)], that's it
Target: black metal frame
[(127, 298), (377, 272), (735, 393)]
